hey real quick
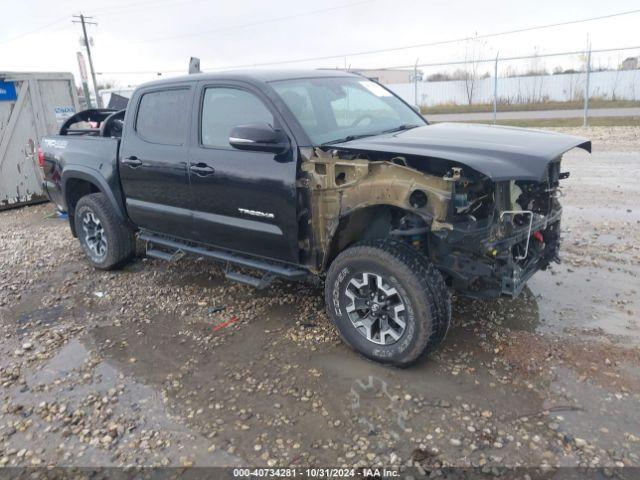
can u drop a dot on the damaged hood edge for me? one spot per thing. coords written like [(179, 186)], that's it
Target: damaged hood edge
[(501, 153)]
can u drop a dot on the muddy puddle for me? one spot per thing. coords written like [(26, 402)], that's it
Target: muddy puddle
[(136, 417)]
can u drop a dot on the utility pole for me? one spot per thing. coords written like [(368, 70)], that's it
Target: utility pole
[(495, 89), (415, 84), (585, 121), (83, 21)]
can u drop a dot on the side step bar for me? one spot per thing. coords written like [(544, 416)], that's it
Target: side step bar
[(258, 283), (162, 255), (279, 270)]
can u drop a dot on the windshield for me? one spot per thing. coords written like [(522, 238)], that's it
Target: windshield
[(342, 108)]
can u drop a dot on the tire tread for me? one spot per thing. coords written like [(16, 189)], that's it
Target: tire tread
[(436, 296)]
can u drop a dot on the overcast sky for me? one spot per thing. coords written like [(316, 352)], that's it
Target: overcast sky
[(160, 35)]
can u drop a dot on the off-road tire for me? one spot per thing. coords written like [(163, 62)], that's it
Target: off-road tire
[(419, 284), (438, 288), (120, 240)]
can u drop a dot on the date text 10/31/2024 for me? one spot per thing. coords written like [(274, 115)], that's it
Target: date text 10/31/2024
[(315, 472)]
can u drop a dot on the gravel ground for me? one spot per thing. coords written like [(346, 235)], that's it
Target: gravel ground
[(169, 364)]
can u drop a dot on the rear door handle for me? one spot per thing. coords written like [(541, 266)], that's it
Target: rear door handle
[(132, 161), (202, 169)]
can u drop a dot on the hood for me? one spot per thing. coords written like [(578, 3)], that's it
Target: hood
[(501, 153)]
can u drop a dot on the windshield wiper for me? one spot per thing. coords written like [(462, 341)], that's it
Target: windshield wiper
[(348, 138), (404, 126), (400, 128)]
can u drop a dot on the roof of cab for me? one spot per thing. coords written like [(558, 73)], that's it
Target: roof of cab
[(259, 76)]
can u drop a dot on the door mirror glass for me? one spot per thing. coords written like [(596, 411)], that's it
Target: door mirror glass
[(258, 137)]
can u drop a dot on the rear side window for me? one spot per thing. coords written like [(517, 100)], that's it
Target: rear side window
[(162, 116)]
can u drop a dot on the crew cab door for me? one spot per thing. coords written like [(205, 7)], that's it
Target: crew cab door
[(154, 157), (242, 200)]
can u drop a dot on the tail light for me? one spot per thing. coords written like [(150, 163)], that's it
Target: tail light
[(41, 157)]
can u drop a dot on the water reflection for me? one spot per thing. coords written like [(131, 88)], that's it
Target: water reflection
[(520, 313), (371, 414)]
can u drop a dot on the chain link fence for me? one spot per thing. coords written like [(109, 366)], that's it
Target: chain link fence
[(564, 80)]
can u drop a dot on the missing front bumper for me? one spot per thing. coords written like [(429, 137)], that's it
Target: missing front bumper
[(479, 267)]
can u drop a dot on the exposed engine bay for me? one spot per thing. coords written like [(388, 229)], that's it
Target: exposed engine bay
[(488, 237)]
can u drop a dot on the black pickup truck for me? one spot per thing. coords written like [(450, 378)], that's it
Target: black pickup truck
[(313, 175)]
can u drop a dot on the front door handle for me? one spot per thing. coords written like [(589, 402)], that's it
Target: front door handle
[(202, 169), (132, 161)]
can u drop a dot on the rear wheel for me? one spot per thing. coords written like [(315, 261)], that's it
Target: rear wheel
[(106, 241), (387, 301)]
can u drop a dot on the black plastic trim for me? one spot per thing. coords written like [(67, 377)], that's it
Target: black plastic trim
[(226, 256)]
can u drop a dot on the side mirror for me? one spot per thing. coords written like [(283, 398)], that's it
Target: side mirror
[(258, 137)]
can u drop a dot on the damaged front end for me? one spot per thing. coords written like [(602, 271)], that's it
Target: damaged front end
[(494, 251), (486, 233)]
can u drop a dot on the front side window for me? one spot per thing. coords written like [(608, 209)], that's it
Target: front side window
[(163, 116), (224, 108), (334, 108)]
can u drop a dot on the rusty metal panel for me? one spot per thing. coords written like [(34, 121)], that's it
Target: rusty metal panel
[(44, 101)]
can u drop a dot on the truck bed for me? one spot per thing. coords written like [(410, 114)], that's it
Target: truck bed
[(88, 144), (91, 155)]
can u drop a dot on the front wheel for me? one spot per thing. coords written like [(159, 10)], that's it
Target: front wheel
[(106, 241), (387, 301)]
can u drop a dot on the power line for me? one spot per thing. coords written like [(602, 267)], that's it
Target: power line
[(119, 10), (256, 23), (142, 6), (142, 72), (439, 64), (430, 44), (501, 59), (35, 30), (385, 50)]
